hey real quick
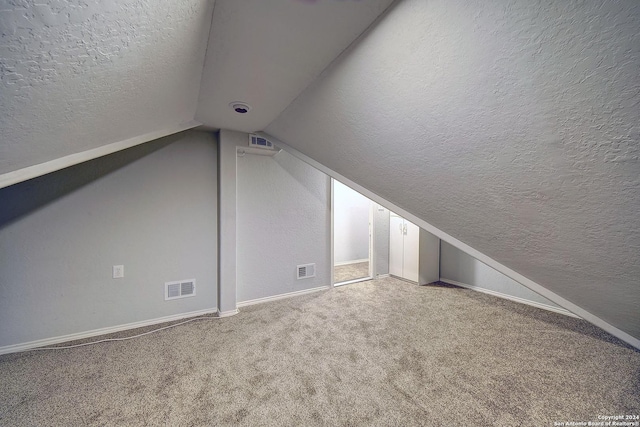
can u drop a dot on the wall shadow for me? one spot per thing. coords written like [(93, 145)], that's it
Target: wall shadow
[(24, 198)]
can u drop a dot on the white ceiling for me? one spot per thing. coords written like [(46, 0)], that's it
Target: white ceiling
[(266, 52)]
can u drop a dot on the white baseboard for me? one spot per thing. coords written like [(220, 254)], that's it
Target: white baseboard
[(511, 298), (349, 282), (382, 276), (228, 313), (14, 348), (355, 261), (282, 296)]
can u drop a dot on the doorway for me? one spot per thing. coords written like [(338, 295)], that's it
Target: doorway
[(352, 219)]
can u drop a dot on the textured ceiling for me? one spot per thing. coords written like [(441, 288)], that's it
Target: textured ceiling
[(266, 52), (76, 75), (513, 127)]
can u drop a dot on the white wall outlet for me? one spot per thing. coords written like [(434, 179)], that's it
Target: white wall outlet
[(118, 271)]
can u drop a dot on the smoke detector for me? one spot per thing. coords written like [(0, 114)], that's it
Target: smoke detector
[(240, 107)]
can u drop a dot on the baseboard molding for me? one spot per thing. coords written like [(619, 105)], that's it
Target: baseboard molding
[(355, 261), (34, 171), (383, 276), (511, 298), (349, 282), (228, 313), (403, 279), (282, 296), (14, 348)]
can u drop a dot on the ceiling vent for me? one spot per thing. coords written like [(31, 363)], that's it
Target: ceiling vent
[(306, 270), (179, 289)]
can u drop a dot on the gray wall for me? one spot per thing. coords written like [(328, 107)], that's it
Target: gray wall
[(461, 267), (510, 126), (381, 239), (152, 208), (283, 220)]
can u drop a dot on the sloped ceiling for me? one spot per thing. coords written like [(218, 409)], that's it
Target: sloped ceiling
[(512, 126), (266, 52), (76, 75)]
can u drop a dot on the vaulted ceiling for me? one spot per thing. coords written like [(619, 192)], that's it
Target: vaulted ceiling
[(77, 75), (512, 126), (265, 53)]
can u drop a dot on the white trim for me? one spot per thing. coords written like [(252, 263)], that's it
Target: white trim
[(551, 296), (404, 279), (511, 298), (332, 241), (241, 151), (282, 296), (228, 313), (382, 276), (349, 282), (14, 348), (356, 261), (372, 250), (14, 177)]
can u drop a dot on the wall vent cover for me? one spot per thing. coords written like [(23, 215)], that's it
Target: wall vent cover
[(306, 270), (179, 289), (260, 142)]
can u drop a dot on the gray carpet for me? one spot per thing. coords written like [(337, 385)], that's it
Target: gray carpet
[(384, 353), (344, 273)]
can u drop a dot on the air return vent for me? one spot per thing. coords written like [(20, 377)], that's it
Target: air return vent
[(306, 271), (179, 289), (256, 141)]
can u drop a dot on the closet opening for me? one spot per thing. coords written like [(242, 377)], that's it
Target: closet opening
[(352, 219)]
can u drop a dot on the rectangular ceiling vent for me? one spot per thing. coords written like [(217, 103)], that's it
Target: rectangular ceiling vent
[(179, 289), (307, 270)]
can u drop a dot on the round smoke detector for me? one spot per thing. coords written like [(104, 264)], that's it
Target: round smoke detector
[(240, 107)]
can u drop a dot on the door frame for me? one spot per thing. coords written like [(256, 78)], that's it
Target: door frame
[(372, 269)]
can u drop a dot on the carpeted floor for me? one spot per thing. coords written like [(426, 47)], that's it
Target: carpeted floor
[(383, 353), (344, 273)]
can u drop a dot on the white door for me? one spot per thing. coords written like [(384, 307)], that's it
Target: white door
[(410, 251), (396, 245)]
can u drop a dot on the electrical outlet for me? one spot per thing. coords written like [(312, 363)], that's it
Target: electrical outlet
[(118, 271)]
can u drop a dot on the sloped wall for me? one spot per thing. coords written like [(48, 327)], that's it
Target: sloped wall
[(458, 266), (510, 126), (77, 75)]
